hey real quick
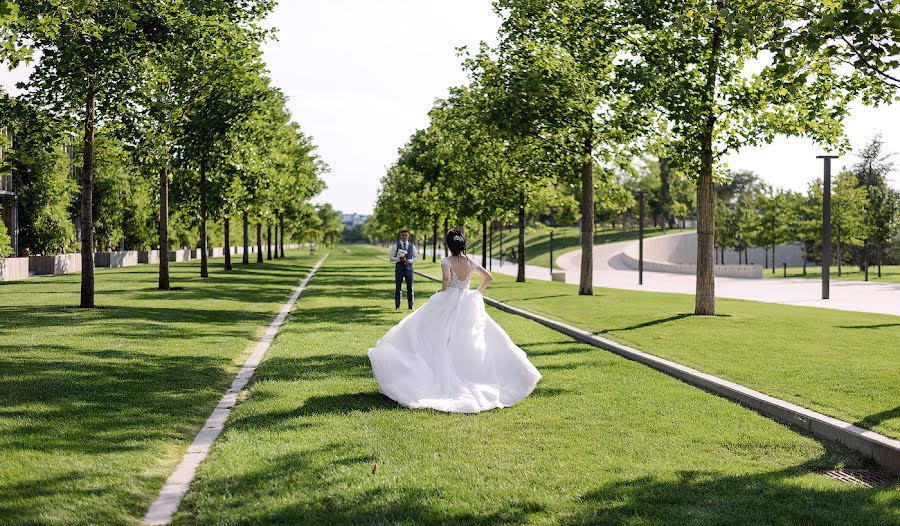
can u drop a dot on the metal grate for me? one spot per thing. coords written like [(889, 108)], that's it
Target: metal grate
[(861, 477)]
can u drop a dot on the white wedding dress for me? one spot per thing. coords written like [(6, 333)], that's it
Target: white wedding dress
[(451, 356)]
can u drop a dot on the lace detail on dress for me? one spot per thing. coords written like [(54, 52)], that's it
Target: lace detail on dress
[(454, 281)]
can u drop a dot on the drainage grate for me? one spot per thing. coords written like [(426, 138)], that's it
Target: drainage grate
[(862, 477)]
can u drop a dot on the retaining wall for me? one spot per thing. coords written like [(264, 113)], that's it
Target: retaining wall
[(180, 255), (126, 258), (149, 256), (54, 265), (677, 253), (13, 269)]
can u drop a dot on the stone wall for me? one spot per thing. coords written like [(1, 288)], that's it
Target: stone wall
[(677, 253), (149, 256), (126, 258), (13, 269), (180, 255), (53, 265)]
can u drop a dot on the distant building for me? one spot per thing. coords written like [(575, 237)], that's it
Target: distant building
[(8, 198), (352, 220)]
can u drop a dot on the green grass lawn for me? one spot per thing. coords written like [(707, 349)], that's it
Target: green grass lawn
[(602, 440), (843, 364), (565, 239), (889, 273), (98, 406)]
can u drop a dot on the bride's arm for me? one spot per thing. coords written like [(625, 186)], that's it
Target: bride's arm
[(445, 276), (486, 277)]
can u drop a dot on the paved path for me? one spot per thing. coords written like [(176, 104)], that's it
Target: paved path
[(177, 485), (611, 272)]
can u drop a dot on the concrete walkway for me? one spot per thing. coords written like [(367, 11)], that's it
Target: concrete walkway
[(611, 272), (170, 496)]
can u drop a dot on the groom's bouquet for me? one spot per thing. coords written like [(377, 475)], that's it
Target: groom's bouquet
[(401, 253)]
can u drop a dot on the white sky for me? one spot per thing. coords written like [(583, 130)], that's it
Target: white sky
[(362, 75)]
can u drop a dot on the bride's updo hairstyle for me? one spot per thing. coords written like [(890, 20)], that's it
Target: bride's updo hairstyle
[(456, 242)]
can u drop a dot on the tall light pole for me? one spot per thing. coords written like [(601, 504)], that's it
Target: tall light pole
[(641, 237), (826, 226)]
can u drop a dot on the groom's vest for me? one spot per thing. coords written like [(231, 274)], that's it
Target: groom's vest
[(410, 250)]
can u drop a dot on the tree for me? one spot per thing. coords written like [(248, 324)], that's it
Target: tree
[(871, 174), (688, 61), (555, 83), (41, 174), (89, 64), (847, 214)]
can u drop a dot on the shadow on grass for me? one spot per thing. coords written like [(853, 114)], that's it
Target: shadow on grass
[(648, 323), (104, 401), (873, 420), (709, 498), (876, 326), (326, 490)]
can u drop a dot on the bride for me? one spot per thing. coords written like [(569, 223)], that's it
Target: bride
[(450, 355)]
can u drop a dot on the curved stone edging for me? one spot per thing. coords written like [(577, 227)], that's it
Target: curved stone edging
[(680, 242), (883, 450)]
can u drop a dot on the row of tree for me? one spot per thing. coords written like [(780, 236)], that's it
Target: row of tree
[(574, 89), (173, 105), (865, 213)]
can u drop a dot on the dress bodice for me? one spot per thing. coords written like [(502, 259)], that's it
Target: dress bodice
[(455, 281)]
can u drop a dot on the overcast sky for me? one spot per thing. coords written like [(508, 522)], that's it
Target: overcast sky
[(362, 75)]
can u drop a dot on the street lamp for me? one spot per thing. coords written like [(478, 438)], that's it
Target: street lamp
[(826, 226), (641, 237), (551, 253)]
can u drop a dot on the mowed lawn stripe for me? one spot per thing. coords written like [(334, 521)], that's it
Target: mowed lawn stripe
[(97, 406), (601, 440)]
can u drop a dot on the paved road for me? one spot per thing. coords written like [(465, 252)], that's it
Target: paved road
[(611, 272)]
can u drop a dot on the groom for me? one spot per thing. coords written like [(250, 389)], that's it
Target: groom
[(403, 255)]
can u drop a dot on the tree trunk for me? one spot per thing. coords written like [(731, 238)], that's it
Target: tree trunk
[(87, 204), (879, 259), (446, 229), (586, 283), (204, 241), (228, 244), (282, 236), (520, 274), (163, 230), (275, 242), (705, 301), (839, 256), (434, 241), (773, 259), (245, 260), (259, 250)]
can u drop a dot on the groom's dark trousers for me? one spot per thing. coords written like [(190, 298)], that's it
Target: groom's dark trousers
[(403, 272)]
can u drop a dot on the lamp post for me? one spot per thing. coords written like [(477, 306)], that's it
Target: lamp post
[(551, 253), (641, 237), (491, 246), (501, 244), (826, 226)]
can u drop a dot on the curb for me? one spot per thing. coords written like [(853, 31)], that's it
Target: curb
[(170, 496), (883, 450)]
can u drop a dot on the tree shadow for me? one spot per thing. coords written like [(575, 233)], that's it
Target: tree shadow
[(876, 326), (325, 488), (105, 401), (873, 420), (710, 498), (648, 323)]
